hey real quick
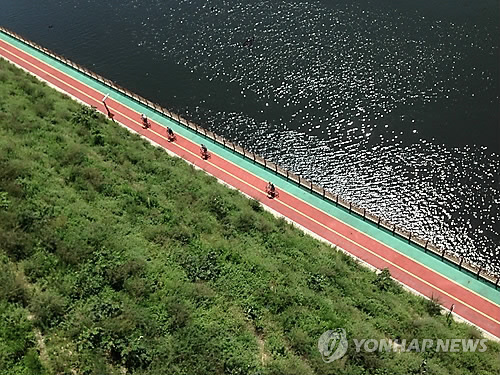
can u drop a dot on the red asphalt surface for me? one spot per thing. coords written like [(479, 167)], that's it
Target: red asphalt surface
[(468, 305)]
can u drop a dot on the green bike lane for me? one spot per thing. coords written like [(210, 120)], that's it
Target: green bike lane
[(412, 251)]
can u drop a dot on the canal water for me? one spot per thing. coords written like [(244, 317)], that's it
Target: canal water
[(392, 105)]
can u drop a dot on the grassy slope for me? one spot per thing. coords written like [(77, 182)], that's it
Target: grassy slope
[(124, 257)]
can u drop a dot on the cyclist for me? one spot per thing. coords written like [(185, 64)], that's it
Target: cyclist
[(145, 122), (271, 189), (170, 134), (203, 151)]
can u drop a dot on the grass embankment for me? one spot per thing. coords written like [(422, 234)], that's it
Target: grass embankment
[(115, 256)]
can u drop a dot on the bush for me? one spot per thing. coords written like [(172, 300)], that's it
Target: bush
[(183, 234), (118, 274), (85, 116), (245, 221), (11, 170), (218, 205), (432, 306), (4, 200), (317, 282), (48, 307), (200, 265), (15, 242), (40, 265), (43, 106), (33, 363), (12, 285), (256, 205), (179, 314), (74, 154), (383, 280), (16, 339), (27, 87)]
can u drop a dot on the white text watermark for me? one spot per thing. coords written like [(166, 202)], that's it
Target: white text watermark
[(333, 345)]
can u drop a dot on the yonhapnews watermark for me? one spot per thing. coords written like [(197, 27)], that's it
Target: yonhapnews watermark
[(333, 345)]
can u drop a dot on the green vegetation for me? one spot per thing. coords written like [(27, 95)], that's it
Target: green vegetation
[(116, 258)]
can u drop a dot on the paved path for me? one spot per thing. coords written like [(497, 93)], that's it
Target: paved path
[(474, 300)]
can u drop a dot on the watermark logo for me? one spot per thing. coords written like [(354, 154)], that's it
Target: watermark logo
[(332, 345)]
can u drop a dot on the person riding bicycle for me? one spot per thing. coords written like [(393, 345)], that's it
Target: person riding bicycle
[(144, 119), (271, 189), (170, 134), (204, 151)]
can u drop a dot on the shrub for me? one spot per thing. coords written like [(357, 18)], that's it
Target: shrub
[(202, 266), (137, 287), (245, 221), (98, 137), (27, 88), (383, 280), (4, 200), (179, 314), (12, 169), (16, 338), (15, 242), (12, 285), (43, 106), (317, 282), (118, 274), (74, 154), (33, 363), (48, 307), (85, 116), (93, 176), (218, 205), (432, 306), (39, 265), (256, 205)]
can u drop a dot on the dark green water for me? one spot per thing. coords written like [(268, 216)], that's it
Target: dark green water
[(394, 105)]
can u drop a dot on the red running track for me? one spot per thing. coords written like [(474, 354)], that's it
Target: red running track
[(468, 305)]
